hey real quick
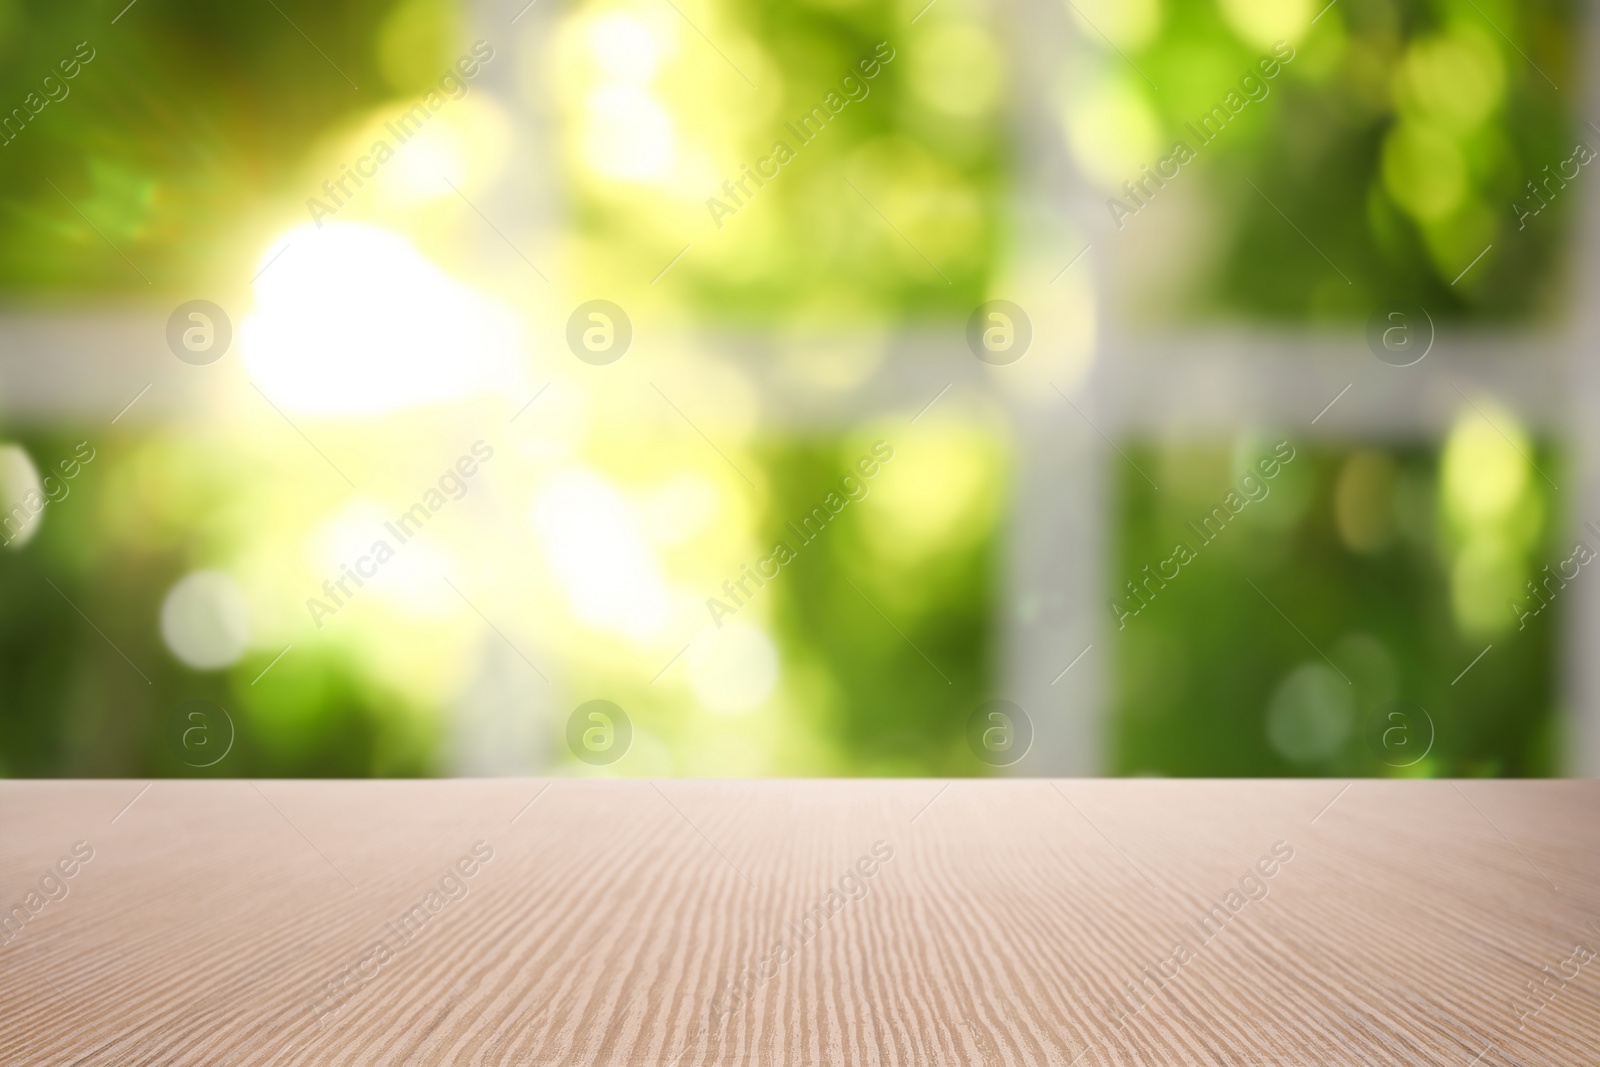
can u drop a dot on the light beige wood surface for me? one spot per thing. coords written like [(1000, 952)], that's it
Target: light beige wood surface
[(1415, 923)]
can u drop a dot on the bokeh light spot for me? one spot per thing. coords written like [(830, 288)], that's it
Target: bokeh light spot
[(205, 620), (733, 670), (1310, 714)]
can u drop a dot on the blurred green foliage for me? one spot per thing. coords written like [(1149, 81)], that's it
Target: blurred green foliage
[(1404, 135), (896, 207), (91, 690), (893, 674), (188, 118), (1353, 547), (1394, 145), (1396, 141)]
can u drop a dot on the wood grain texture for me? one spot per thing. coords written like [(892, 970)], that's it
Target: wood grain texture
[(615, 920)]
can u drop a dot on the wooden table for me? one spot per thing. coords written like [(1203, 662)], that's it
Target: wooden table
[(770, 922)]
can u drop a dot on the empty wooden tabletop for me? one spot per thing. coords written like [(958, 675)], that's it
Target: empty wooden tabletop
[(515, 922)]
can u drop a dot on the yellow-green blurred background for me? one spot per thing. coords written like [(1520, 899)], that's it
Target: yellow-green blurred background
[(381, 330)]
